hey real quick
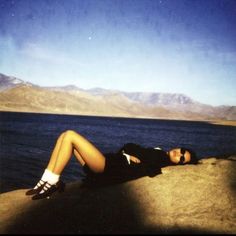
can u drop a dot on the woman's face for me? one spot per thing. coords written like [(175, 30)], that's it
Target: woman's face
[(179, 155)]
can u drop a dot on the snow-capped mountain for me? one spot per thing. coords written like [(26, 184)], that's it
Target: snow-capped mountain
[(7, 82)]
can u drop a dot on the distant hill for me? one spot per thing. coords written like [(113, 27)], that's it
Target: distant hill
[(8, 82), (18, 95)]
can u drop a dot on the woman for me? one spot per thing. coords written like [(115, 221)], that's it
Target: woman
[(131, 161)]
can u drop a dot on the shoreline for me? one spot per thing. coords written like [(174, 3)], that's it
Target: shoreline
[(223, 122), (213, 122)]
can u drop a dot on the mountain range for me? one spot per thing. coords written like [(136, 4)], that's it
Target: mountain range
[(19, 95)]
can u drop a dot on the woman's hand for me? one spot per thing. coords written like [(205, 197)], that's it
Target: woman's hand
[(134, 159)]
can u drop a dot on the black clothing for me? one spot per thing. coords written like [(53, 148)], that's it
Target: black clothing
[(118, 169)]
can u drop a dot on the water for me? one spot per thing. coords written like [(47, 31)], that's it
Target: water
[(27, 140)]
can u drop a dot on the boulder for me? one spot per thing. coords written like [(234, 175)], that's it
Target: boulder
[(183, 199)]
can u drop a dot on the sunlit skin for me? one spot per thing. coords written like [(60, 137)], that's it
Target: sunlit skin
[(174, 155)]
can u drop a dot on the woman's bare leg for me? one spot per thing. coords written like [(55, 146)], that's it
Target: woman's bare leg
[(78, 157), (55, 152), (69, 142), (90, 155)]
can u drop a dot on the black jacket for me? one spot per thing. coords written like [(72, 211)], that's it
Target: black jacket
[(152, 160)]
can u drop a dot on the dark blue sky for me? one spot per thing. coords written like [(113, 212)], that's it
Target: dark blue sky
[(147, 45)]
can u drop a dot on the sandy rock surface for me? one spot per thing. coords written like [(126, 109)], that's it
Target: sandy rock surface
[(183, 199)]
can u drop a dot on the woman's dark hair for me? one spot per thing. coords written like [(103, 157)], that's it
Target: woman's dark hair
[(194, 159)]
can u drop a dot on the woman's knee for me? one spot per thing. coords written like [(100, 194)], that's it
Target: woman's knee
[(69, 134)]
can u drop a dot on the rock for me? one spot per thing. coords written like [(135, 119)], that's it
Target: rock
[(183, 199)]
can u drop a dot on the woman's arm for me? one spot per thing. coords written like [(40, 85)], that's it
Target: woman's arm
[(135, 159), (132, 149)]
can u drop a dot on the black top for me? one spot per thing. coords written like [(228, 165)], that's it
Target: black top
[(118, 169), (151, 159)]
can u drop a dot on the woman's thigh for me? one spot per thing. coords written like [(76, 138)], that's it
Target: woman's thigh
[(91, 155)]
